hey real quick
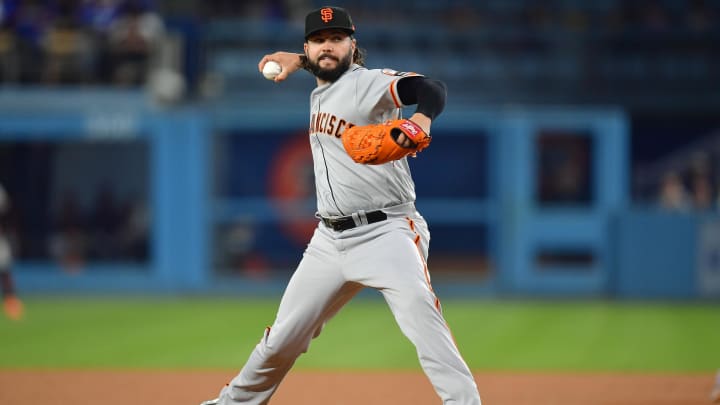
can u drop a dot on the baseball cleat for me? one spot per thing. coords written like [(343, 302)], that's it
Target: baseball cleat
[(211, 402), (715, 393)]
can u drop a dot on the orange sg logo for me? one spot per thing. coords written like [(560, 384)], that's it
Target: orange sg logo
[(326, 14)]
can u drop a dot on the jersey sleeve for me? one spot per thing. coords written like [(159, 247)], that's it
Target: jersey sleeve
[(377, 90)]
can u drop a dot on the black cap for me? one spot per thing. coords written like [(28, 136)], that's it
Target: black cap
[(326, 18)]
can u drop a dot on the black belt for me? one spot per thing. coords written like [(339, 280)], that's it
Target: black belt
[(344, 223)]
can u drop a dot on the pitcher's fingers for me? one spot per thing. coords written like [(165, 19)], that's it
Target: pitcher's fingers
[(262, 62), (281, 76)]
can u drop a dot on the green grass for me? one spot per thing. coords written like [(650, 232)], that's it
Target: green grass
[(492, 335), (590, 336)]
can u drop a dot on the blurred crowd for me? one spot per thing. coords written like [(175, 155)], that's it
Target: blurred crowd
[(110, 228), (113, 41), (78, 41), (692, 187), (700, 16)]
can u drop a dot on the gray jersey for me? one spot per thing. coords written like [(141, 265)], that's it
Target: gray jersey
[(359, 97)]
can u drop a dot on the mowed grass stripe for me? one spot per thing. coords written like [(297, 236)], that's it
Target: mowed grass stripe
[(491, 334)]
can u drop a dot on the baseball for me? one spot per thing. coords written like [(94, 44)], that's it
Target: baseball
[(271, 69)]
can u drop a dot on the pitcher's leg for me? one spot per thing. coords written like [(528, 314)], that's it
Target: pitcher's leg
[(396, 266), (422, 322), (316, 291)]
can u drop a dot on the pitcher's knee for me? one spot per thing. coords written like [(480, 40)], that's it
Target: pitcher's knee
[(417, 301), (277, 354), (279, 350)]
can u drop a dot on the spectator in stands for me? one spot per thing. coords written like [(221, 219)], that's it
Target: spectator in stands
[(673, 195), (98, 16), (133, 38), (68, 47), (9, 63), (68, 243), (24, 23), (701, 184)]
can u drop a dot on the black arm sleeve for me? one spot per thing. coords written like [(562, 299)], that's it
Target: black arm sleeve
[(428, 94)]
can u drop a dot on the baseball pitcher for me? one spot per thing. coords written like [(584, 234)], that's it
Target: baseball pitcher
[(369, 233)]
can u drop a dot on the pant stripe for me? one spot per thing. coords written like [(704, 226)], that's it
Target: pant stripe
[(411, 223), (438, 306)]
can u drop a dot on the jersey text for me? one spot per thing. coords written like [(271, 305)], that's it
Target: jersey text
[(328, 124)]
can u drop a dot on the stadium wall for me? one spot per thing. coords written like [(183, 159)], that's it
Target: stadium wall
[(535, 239)]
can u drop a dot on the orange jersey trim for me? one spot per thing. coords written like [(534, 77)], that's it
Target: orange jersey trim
[(393, 93)]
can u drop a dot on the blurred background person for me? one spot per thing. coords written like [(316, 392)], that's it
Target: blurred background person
[(12, 305), (673, 194), (68, 47), (701, 180), (133, 39), (69, 238)]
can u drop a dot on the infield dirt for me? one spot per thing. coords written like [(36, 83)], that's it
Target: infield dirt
[(79, 387)]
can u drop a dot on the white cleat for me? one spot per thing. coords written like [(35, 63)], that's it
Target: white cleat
[(715, 393), (211, 402)]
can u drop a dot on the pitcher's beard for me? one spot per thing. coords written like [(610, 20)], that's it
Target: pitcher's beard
[(331, 75)]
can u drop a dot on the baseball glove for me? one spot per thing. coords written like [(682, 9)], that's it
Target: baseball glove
[(376, 144)]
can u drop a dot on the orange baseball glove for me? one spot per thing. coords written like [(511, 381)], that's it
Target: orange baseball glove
[(376, 144)]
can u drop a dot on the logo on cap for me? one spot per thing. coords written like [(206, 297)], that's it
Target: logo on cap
[(326, 14)]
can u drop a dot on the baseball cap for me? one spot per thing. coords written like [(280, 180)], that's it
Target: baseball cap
[(326, 18)]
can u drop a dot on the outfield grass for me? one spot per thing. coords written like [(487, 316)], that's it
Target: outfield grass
[(492, 335)]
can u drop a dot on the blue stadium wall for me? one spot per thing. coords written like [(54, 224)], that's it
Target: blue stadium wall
[(478, 187)]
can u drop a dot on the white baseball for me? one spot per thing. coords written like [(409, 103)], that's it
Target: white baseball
[(271, 69)]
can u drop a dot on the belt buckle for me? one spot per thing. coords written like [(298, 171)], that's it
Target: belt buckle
[(333, 222)]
